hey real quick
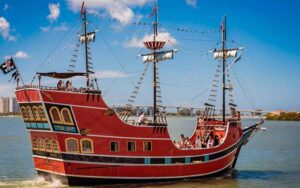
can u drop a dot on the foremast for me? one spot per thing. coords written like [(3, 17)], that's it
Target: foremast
[(86, 47), (86, 38)]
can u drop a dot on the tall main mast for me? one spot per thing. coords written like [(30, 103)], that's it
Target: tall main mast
[(224, 67), (155, 24)]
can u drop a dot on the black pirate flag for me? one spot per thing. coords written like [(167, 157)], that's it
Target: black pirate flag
[(8, 66)]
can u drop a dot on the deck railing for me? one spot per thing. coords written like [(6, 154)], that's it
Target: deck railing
[(76, 90)]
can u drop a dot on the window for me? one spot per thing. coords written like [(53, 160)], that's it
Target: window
[(72, 145), (29, 113), (55, 115), (131, 146), (66, 115), (42, 113), (114, 146), (41, 144), (24, 113), (54, 145), (35, 113), (86, 145), (147, 146), (34, 144), (48, 145)]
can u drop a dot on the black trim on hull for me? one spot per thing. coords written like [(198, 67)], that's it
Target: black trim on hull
[(84, 181), (132, 160)]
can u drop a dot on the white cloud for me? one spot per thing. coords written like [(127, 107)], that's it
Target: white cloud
[(5, 30), (118, 9), (6, 7), (21, 55), (45, 29), (111, 74), (138, 42), (54, 12), (62, 27), (192, 3)]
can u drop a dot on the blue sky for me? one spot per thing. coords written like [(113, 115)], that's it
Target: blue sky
[(269, 30)]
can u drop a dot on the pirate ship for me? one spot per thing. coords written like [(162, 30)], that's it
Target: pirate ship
[(79, 139)]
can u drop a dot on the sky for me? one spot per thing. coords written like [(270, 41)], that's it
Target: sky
[(42, 35)]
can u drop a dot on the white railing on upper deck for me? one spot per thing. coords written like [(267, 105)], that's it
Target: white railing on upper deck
[(80, 90)]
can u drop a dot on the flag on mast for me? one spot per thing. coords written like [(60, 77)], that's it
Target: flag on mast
[(153, 12), (8, 66), (82, 9)]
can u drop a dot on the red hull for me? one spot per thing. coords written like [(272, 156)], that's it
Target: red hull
[(93, 121)]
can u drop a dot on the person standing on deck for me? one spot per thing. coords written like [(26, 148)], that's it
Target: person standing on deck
[(142, 119)]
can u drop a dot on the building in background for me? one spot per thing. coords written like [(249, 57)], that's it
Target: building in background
[(8, 104)]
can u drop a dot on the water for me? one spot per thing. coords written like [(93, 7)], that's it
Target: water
[(271, 159)]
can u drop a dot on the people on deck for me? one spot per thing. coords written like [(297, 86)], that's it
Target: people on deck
[(187, 143), (142, 119), (60, 85), (216, 140), (198, 142), (210, 142), (69, 85), (221, 139)]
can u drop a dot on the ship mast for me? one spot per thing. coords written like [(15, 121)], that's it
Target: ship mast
[(224, 67), (155, 57), (86, 49), (155, 24)]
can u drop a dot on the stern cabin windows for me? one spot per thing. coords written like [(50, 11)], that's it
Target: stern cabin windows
[(66, 115), (55, 115), (61, 118), (72, 145), (34, 116)]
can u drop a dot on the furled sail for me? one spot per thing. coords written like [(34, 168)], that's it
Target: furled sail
[(160, 56), (90, 37), (218, 54)]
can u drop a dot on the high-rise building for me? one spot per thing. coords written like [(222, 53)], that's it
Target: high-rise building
[(8, 104), (13, 105), (4, 104)]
